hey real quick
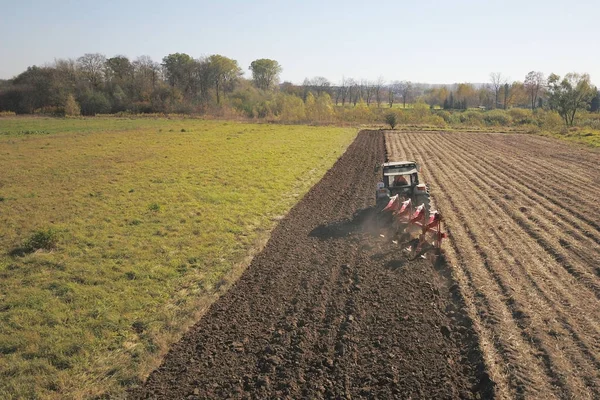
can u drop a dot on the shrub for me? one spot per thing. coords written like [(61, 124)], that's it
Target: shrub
[(41, 240), (154, 207), (471, 118), (420, 112), (497, 117), (521, 116), (549, 120), (445, 115), (436, 120), (71, 107), (290, 108), (93, 103), (391, 119)]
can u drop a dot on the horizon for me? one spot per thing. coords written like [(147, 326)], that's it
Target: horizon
[(363, 43)]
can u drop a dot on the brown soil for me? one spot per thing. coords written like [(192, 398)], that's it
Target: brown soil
[(523, 216), (329, 309)]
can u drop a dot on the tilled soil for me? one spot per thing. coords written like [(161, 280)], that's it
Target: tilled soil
[(329, 309), (522, 213)]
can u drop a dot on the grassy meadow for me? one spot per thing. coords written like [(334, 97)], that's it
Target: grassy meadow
[(115, 234)]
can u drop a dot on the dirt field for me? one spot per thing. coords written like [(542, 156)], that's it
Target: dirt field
[(330, 309), (523, 213)]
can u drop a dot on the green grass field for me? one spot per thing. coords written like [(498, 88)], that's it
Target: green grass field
[(115, 234)]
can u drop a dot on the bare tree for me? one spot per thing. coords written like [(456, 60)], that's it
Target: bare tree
[(406, 90), (343, 91), (91, 66), (378, 90), (498, 81), (393, 90), (353, 91), (534, 82), (369, 90)]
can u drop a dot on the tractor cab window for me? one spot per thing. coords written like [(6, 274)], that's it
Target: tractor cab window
[(399, 180)]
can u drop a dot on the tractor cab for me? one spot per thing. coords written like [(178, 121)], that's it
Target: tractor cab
[(399, 177)]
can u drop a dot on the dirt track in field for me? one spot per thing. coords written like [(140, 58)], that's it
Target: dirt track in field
[(524, 219), (331, 310)]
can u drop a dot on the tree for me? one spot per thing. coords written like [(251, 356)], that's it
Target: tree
[(498, 82), (467, 93), (178, 69), (71, 106), (369, 90), (378, 85), (595, 103), (393, 89), (391, 119), (569, 95), (224, 72), (119, 68), (534, 83), (265, 73), (406, 91), (92, 68)]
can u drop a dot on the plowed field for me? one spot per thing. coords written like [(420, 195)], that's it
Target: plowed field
[(329, 309), (524, 219)]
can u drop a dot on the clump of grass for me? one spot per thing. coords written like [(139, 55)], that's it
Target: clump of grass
[(154, 207)]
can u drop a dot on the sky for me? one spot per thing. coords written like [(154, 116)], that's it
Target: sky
[(421, 41)]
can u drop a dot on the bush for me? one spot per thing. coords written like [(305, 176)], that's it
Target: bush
[(93, 103), (521, 116), (71, 107), (471, 118), (445, 115), (290, 108), (497, 117), (420, 113), (436, 120), (41, 240), (549, 120), (391, 120)]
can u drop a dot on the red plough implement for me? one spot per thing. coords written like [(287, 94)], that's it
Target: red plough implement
[(410, 220)]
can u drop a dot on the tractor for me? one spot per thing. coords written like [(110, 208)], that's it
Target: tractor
[(404, 203), (402, 178)]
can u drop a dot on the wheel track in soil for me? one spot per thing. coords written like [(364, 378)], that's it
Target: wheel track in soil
[(580, 331), (329, 309)]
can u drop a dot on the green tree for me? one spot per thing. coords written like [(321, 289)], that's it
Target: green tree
[(391, 119), (178, 68), (93, 103), (265, 73), (569, 95), (595, 104), (224, 72)]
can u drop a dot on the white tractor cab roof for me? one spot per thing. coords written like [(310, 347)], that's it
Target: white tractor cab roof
[(400, 168)]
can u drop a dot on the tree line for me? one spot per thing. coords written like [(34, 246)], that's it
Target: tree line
[(94, 84)]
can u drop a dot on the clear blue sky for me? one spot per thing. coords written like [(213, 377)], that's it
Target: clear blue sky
[(422, 41)]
